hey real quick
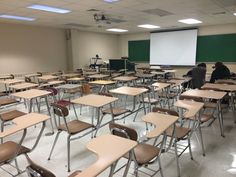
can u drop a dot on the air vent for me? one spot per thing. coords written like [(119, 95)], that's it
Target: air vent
[(116, 20), (158, 12), (76, 25), (93, 10)]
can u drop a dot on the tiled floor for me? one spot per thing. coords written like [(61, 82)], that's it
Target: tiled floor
[(220, 159)]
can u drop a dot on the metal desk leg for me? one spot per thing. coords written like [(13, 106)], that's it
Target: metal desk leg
[(200, 132), (220, 117), (176, 152), (52, 132)]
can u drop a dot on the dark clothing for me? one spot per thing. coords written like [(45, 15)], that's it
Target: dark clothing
[(198, 77), (221, 72)]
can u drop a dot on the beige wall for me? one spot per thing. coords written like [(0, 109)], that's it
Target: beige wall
[(206, 30), (25, 49), (86, 45)]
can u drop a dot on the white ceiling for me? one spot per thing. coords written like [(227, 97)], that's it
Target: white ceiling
[(210, 12)]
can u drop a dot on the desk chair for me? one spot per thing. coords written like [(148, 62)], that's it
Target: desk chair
[(72, 128), (62, 102), (143, 154), (35, 170), (181, 133)]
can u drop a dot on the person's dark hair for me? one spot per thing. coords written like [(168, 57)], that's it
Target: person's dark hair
[(202, 65), (218, 64)]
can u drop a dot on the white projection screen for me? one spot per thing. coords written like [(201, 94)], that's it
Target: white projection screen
[(173, 48)]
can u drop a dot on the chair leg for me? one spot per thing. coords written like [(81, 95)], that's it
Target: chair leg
[(17, 167), (54, 143), (68, 153), (2, 128), (160, 168), (190, 149), (75, 111)]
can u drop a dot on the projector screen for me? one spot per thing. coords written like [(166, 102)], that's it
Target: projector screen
[(173, 48)]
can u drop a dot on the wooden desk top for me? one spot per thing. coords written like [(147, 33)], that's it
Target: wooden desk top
[(94, 100), (177, 82), (68, 86), (131, 91), (98, 76), (192, 107), (204, 94), (32, 75), (11, 81), (161, 122), (29, 94), (161, 85), (22, 86), (226, 81), (5, 77), (23, 122), (108, 148), (47, 77), (223, 87), (103, 82), (70, 75), (89, 72), (125, 78), (145, 75), (76, 79), (52, 83)]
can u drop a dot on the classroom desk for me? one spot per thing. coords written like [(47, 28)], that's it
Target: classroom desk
[(106, 155), (9, 82), (86, 73), (52, 83), (32, 75), (98, 76), (125, 79), (96, 101), (75, 79), (23, 86), (229, 81), (134, 92), (4, 77), (209, 94), (192, 109), (67, 88), (33, 94), (161, 122), (46, 78), (69, 75), (103, 84), (21, 124), (224, 87), (145, 76)]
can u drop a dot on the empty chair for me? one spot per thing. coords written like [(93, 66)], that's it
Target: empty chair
[(71, 127), (181, 133), (143, 154)]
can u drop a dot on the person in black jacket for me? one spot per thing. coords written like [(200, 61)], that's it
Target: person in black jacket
[(221, 72)]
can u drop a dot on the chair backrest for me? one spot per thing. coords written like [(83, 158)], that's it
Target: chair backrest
[(86, 89), (34, 170), (186, 97), (52, 90), (165, 111), (27, 79), (12, 76), (123, 131), (60, 110), (40, 74)]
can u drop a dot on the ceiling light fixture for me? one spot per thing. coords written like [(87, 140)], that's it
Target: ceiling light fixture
[(15, 17), (148, 26), (234, 14), (190, 21), (48, 9), (117, 30), (111, 1)]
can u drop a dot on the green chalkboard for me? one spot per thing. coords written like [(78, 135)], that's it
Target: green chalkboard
[(210, 48), (216, 48), (139, 51)]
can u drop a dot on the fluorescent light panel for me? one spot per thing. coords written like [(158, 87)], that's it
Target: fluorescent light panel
[(190, 21), (48, 9), (235, 14), (148, 26), (15, 17), (117, 30), (111, 1)]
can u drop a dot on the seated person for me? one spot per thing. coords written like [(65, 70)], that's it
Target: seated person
[(198, 75), (221, 72)]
